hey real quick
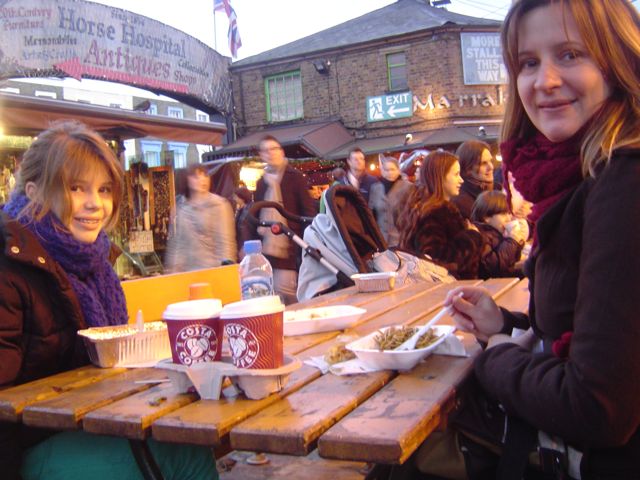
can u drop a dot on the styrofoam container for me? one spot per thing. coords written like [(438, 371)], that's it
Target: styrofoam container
[(374, 282), (321, 319), (207, 377), (120, 345), (366, 350)]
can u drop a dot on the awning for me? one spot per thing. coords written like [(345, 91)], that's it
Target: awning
[(20, 115), (429, 139), (298, 141)]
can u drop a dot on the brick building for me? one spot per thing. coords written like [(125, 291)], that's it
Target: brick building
[(407, 68)]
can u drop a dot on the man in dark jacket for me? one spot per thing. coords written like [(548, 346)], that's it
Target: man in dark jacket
[(357, 175), (283, 184)]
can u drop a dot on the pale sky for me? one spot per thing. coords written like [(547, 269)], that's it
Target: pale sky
[(266, 24)]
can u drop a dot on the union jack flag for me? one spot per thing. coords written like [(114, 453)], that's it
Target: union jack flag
[(233, 34)]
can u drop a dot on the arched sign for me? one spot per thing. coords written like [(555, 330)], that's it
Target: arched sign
[(81, 39)]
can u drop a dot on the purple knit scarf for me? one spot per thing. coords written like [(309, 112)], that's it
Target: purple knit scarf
[(86, 264)]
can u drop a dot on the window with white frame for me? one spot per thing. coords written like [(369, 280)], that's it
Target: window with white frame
[(151, 152), (284, 96), (44, 93), (10, 90), (153, 109), (201, 116), (179, 154), (397, 71), (175, 112)]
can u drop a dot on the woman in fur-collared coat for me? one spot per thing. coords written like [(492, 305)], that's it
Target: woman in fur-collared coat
[(430, 223)]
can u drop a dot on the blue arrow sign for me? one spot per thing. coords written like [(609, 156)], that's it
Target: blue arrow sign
[(389, 107)]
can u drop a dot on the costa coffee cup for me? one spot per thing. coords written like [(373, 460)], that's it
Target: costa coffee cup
[(195, 331), (254, 329)]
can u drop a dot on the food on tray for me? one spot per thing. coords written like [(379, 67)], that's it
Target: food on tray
[(338, 353), (117, 331), (393, 337)]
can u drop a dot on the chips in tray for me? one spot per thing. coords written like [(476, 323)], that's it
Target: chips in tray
[(393, 337)]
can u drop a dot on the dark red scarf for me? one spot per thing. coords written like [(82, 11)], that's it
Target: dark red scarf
[(544, 171)]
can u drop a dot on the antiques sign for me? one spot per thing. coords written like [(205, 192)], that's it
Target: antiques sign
[(81, 39), (482, 59)]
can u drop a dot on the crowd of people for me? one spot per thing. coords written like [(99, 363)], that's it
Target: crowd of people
[(570, 149)]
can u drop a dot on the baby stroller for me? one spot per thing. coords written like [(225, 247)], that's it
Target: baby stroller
[(336, 245), (344, 241)]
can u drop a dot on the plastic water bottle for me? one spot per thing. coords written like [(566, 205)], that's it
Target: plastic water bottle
[(256, 274)]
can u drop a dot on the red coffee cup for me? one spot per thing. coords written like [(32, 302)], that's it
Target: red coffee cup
[(254, 329), (195, 331)]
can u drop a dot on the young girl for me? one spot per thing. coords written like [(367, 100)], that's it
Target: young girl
[(431, 224), (572, 140), (56, 277), (503, 239)]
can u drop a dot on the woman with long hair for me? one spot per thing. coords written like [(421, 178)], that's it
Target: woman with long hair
[(571, 137), (56, 277), (430, 223), (476, 168)]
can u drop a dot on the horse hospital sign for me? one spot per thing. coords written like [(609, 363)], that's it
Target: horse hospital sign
[(81, 39)]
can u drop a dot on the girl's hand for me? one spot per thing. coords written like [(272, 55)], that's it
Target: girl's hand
[(475, 311)]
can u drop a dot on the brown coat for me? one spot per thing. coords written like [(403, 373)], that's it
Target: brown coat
[(39, 318), (442, 234), (585, 278)]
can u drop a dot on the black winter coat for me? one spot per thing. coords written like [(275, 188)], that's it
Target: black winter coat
[(39, 318), (584, 279), (499, 254)]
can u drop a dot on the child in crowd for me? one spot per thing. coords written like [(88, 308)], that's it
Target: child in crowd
[(56, 277), (503, 237)]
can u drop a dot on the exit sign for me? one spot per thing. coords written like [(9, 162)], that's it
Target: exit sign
[(389, 107)]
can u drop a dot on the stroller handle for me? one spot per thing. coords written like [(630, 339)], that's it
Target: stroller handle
[(252, 214)]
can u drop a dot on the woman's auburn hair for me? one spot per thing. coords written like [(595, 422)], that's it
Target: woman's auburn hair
[(610, 30), (57, 157), (425, 197)]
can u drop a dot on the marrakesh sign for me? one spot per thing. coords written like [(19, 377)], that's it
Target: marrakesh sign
[(81, 39)]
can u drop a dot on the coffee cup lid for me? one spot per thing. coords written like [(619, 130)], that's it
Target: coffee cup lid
[(193, 309), (252, 307)]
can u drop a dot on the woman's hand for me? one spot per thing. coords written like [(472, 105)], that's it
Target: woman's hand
[(475, 311)]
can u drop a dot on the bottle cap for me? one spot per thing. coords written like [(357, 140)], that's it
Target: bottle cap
[(252, 246)]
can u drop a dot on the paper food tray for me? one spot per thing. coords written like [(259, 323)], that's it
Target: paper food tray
[(374, 282), (207, 377), (321, 319), (121, 345), (366, 350)]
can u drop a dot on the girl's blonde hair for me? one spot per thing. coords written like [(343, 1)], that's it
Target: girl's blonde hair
[(59, 156), (610, 30)]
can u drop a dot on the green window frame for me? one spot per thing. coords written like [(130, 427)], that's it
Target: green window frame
[(283, 93), (397, 71)]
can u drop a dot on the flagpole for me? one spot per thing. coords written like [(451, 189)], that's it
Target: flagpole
[(215, 32)]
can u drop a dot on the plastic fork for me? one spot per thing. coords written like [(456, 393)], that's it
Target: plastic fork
[(410, 344)]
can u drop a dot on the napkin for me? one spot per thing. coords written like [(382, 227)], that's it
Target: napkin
[(451, 345)]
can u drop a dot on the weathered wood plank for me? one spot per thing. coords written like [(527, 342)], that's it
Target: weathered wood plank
[(393, 436), (286, 466), (66, 410), (292, 425), (391, 425), (132, 416), (516, 298), (14, 400)]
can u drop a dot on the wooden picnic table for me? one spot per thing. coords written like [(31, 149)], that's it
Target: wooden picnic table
[(377, 417)]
